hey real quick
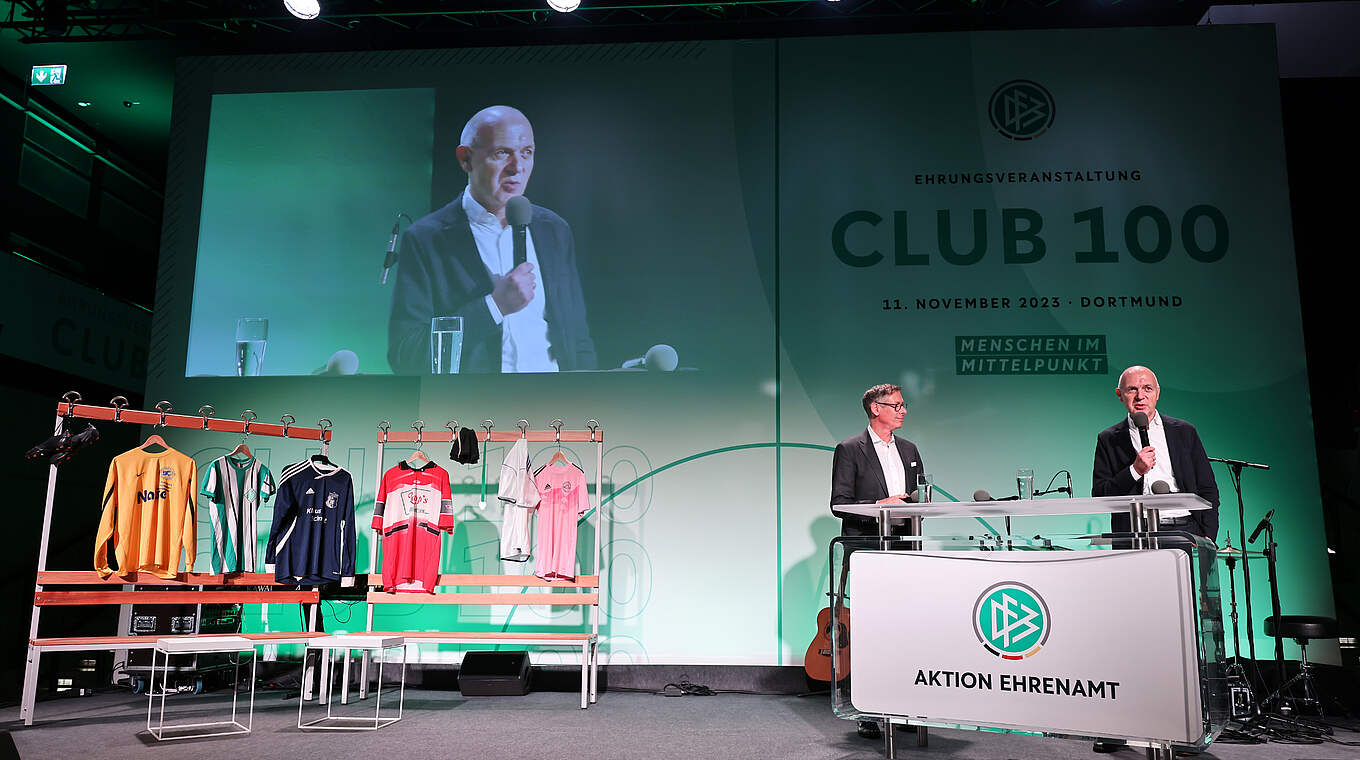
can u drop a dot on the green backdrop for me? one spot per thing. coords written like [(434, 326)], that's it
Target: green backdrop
[(800, 219)]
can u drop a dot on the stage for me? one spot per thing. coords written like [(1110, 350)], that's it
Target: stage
[(623, 724)]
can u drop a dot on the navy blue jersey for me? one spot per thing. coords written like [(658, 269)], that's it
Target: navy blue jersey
[(312, 538)]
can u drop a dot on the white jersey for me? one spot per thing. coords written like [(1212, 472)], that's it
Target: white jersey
[(519, 497)]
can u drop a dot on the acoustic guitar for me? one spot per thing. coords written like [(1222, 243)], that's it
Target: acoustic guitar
[(817, 661)]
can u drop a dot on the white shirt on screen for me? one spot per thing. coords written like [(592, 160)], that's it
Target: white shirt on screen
[(891, 459), (1161, 470), (524, 334)]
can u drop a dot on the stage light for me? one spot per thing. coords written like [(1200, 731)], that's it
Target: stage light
[(303, 9), (564, 6)]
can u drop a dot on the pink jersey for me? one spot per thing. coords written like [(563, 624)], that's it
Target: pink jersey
[(412, 506), (562, 499)]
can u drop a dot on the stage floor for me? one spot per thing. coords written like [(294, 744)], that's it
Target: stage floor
[(547, 725)]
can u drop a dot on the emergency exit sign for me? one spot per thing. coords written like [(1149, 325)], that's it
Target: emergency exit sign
[(45, 75)]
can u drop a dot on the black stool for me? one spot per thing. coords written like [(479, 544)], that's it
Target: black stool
[(1302, 629)]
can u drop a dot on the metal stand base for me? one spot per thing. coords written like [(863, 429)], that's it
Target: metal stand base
[(326, 650), (233, 726)]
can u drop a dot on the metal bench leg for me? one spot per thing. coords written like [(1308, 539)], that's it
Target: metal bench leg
[(344, 680), (594, 670), (30, 685), (585, 674), (363, 674)]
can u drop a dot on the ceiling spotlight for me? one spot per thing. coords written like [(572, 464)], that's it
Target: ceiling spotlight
[(303, 9), (564, 6), (84, 103)]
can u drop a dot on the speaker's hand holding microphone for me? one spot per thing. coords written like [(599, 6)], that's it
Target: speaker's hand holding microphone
[(1147, 457), (515, 290)]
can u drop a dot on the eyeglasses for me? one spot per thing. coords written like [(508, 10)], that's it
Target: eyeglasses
[(899, 406)]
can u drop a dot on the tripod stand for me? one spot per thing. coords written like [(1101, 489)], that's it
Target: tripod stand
[(1276, 713), (1235, 467)]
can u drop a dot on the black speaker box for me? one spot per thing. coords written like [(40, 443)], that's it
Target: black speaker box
[(494, 674)]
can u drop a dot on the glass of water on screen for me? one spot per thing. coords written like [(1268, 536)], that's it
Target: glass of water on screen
[(252, 337), (446, 345)]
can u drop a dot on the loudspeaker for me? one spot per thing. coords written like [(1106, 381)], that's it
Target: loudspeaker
[(494, 674)]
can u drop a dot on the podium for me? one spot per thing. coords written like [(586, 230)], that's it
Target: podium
[(1057, 636)]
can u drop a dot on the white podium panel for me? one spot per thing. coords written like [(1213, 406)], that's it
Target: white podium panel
[(1085, 643)]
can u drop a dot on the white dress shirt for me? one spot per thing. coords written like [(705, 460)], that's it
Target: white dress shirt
[(524, 334), (1161, 470), (891, 459)]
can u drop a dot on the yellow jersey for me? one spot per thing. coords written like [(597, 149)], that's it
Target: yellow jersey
[(148, 515)]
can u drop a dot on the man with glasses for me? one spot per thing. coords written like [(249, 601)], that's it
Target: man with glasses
[(874, 467)]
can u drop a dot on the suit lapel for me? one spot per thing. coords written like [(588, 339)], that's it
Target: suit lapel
[(464, 247), (1124, 442), (1172, 429), (874, 466)]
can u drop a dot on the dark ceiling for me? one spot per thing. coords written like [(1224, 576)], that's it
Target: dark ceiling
[(121, 53)]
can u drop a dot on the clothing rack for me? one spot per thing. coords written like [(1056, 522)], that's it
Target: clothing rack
[(70, 409), (594, 433)]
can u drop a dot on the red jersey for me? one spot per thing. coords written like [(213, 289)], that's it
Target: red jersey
[(413, 505)]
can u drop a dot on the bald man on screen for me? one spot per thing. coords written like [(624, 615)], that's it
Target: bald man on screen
[(458, 261)]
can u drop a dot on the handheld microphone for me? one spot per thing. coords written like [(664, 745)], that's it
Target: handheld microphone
[(391, 259), (1261, 526), (518, 212), (1140, 421), (1160, 487), (659, 358)]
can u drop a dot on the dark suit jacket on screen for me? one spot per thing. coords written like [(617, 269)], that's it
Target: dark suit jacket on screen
[(440, 274), (1115, 453), (857, 478)]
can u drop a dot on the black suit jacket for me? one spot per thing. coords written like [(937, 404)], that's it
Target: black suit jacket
[(1115, 453), (440, 274), (857, 478)]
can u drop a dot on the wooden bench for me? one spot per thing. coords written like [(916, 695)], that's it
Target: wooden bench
[(111, 591), (585, 592)]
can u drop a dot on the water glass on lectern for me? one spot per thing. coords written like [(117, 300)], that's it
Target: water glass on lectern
[(1024, 482), (446, 345), (925, 485), (252, 337)]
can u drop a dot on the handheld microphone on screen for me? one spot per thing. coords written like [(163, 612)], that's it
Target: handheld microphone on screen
[(659, 358), (342, 362), (518, 212), (1140, 421), (983, 495), (390, 260)]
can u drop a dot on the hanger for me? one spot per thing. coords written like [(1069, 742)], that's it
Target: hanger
[(155, 439), (324, 457), (242, 449), (558, 456), (418, 458)]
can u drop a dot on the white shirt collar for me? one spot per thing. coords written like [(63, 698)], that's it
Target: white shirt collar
[(476, 214), (874, 437), (1154, 421)]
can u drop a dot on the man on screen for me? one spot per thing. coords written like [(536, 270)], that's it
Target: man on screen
[(458, 261), (1174, 454)]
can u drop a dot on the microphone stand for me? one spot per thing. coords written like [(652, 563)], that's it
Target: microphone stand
[(1298, 731), (1274, 581), (1235, 470)]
